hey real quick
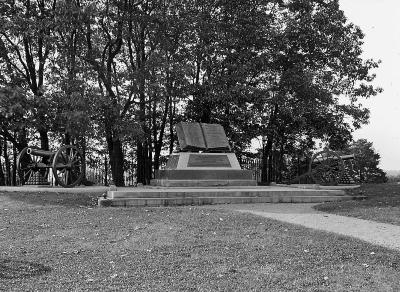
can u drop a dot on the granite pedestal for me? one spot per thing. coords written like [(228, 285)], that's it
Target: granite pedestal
[(192, 169)]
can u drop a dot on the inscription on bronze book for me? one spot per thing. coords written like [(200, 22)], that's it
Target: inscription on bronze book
[(201, 136)]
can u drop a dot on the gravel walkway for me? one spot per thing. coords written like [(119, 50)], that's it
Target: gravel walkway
[(386, 235)]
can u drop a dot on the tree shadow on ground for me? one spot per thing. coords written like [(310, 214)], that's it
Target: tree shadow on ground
[(16, 269), (57, 199)]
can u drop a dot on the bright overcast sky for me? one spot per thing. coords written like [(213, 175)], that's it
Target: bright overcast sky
[(380, 22)]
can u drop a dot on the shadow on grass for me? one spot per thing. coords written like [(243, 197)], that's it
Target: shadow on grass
[(56, 199), (15, 269)]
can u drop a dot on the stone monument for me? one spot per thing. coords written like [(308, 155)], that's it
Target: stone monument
[(204, 160)]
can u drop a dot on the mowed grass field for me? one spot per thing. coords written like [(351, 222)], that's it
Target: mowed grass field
[(64, 242), (382, 204)]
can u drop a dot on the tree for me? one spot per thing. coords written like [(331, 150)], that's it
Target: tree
[(316, 59), (128, 47), (127, 70), (276, 69), (15, 109), (26, 31), (71, 79), (366, 164), (103, 27), (229, 50)]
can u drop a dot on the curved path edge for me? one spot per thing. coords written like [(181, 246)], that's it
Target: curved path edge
[(383, 234)]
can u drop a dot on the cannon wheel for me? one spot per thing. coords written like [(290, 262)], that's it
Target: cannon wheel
[(28, 165), (326, 167), (68, 166)]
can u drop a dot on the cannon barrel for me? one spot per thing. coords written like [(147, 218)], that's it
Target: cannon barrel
[(40, 152), (343, 157), (347, 157)]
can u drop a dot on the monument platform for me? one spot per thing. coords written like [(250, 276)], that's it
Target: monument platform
[(192, 169), (205, 171), (205, 160), (179, 196)]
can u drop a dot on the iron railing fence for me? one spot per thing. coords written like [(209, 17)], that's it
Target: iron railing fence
[(98, 170)]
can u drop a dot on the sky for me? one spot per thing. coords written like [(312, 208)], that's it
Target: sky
[(380, 22)]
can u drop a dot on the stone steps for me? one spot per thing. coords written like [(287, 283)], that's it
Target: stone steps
[(182, 201), (159, 196), (216, 192)]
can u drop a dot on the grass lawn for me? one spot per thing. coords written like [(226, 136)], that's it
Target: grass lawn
[(382, 204), (63, 242)]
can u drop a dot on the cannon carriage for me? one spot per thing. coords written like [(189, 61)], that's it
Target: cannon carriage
[(66, 164), (327, 167)]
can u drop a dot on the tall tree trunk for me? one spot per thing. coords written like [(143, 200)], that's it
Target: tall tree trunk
[(149, 144), (141, 157), (21, 139), (263, 166), (172, 111), (21, 143), (14, 171), (44, 139), (143, 163), (142, 146), (266, 173), (266, 161), (2, 178), (116, 160), (82, 145), (149, 168), (205, 112), (271, 162), (158, 143), (67, 138), (266, 168), (7, 163), (281, 162)]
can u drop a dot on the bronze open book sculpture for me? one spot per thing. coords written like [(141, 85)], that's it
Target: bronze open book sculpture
[(196, 137)]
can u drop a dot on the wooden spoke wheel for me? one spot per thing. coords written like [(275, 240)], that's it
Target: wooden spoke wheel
[(326, 167), (31, 167), (68, 166)]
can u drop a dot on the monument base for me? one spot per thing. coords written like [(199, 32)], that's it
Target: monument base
[(164, 196), (201, 183), (191, 169)]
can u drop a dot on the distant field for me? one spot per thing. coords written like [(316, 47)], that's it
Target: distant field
[(392, 172)]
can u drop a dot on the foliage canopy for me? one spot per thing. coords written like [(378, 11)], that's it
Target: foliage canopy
[(124, 72)]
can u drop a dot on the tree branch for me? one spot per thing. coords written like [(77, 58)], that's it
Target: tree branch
[(16, 49)]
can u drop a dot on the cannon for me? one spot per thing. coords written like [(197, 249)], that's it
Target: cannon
[(327, 167), (67, 165)]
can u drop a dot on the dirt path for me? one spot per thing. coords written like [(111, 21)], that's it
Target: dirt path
[(386, 235)]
